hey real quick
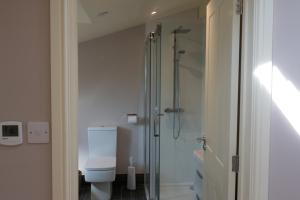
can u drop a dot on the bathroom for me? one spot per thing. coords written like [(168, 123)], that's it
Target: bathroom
[(141, 87)]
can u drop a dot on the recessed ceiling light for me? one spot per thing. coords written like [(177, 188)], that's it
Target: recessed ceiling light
[(154, 13)]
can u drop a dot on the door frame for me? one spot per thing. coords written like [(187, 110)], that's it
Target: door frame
[(255, 102), (257, 51), (64, 96)]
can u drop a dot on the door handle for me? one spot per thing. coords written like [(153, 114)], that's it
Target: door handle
[(155, 126), (202, 140), (156, 123)]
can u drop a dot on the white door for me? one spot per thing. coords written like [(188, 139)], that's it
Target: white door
[(221, 100)]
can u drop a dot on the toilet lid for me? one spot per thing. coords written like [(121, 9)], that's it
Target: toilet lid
[(101, 163)]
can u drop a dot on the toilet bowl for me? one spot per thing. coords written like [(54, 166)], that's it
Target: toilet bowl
[(100, 168)]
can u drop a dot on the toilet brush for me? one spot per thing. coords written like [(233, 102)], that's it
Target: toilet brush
[(131, 183)]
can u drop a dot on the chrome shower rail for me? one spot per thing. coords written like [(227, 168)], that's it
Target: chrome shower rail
[(177, 110)]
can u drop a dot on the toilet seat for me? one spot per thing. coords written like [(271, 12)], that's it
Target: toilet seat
[(101, 164)]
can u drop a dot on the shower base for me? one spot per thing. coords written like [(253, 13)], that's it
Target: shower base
[(177, 192)]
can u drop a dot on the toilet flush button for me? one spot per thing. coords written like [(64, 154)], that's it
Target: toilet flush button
[(38, 132)]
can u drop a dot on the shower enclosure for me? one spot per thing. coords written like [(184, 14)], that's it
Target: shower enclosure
[(174, 85)]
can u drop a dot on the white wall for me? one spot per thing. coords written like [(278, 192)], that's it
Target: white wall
[(110, 86), (285, 140), (177, 155)]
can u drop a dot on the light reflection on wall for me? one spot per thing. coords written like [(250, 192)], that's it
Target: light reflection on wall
[(284, 93)]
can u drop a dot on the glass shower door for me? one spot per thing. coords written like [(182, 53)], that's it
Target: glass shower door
[(147, 116), (152, 113)]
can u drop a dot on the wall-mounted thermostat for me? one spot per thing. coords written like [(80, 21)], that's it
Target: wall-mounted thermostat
[(11, 133)]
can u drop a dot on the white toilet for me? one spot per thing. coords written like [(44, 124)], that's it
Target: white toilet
[(100, 169)]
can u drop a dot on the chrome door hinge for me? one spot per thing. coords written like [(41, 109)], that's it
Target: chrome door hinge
[(239, 7), (235, 163)]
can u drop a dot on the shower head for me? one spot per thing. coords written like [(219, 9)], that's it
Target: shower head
[(181, 30)]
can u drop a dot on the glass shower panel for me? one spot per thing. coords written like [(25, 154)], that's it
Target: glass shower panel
[(147, 115), (152, 113), (156, 104)]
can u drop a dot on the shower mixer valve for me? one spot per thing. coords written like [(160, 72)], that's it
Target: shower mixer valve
[(174, 110)]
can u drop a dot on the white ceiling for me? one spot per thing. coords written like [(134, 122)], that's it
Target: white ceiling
[(123, 14)]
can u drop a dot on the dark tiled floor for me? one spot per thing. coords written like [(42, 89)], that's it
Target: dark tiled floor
[(85, 193), (120, 192)]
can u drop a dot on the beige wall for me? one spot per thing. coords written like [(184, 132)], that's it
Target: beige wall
[(111, 85), (25, 171)]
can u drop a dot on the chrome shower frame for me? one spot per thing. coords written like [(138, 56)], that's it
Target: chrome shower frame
[(152, 113)]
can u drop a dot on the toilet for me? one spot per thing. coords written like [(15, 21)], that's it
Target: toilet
[(100, 168)]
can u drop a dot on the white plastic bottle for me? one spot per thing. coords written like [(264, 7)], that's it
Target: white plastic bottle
[(131, 182)]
